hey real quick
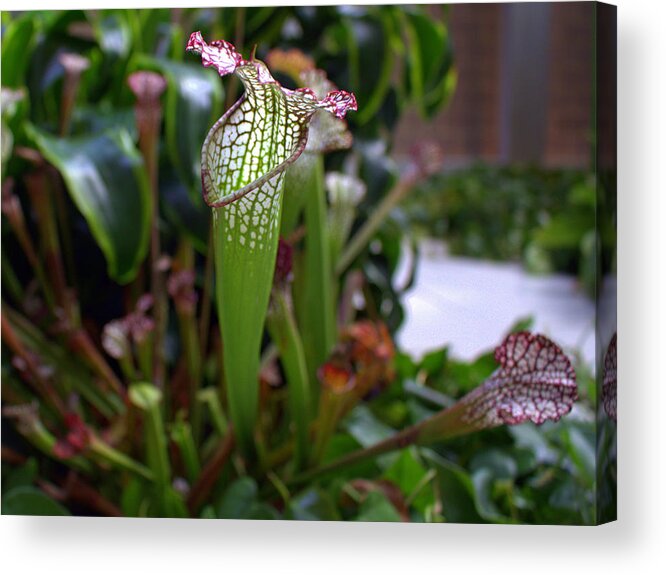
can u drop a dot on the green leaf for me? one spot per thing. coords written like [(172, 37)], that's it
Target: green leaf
[(430, 72), (409, 475), (367, 43), (317, 306), (21, 476), (313, 505), (30, 501), (239, 499), (377, 507), (363, 426), (457, 493), (106, 179), (565, 231), (17, 41), (133, 497), (434, 361)]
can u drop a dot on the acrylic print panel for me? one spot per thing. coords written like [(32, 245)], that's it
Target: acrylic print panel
[(337, 263)]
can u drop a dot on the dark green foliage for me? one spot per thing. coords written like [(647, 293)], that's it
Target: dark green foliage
[(543, 218)]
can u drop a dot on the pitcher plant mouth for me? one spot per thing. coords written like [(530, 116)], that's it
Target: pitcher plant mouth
[(264, 132)]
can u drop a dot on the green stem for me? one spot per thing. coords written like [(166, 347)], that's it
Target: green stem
[(181, 433), (185, 304), (330, 408), (10, 281), (284, 332), (318, 306), (42, 202), (211, 398), (441, 426), (117, 459), (69, 369), (148, 398), (42, 439), (374, 222), (398, 441)]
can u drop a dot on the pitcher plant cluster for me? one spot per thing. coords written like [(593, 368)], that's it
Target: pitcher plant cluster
[(295, 353)]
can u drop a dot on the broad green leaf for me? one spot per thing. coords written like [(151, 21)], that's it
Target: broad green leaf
[(457, 492), (30, 501), (239, 499), (409, 475), (377, 507), (106, 179), (363, 426)]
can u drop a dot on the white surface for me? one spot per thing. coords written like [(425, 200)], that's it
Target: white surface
[(633, 545), (471, 304)]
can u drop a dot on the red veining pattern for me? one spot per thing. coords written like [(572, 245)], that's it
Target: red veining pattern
[(339, 102), (535, 382), (219, 54), (609, 384)]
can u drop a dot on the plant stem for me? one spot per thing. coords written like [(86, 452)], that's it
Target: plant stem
[(181, 434), (284, 332), (211, 398), (210, 473), (330, 409), (148, 399), (364, 235), (398, 441), (42, 202), (107, 454), (11, 207), (318, 307), (442, 425), (42, 385)]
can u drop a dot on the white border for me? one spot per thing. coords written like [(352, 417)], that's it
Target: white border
[(634, 544)]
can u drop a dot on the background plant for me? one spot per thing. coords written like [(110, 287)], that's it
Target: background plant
[(542, 218)]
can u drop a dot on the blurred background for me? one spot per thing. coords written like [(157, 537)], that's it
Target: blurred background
[(516, 186)]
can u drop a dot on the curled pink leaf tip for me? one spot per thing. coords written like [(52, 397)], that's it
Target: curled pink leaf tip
[(535, 382), (220, 54), (339, 103)]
